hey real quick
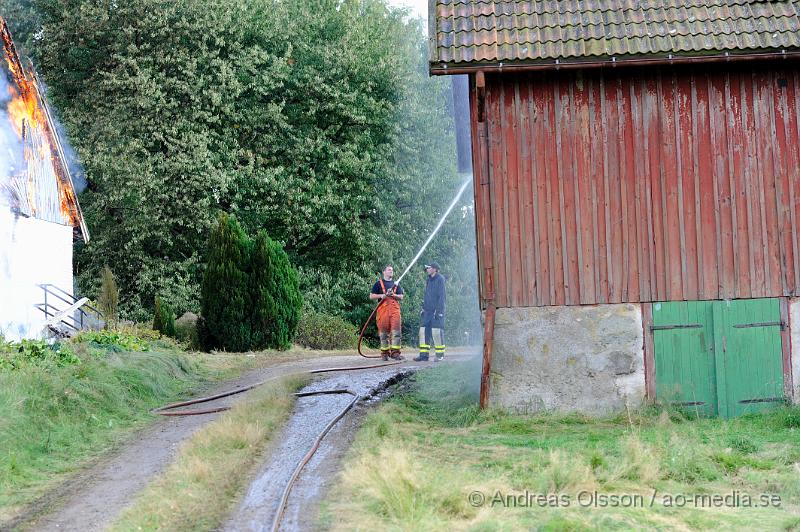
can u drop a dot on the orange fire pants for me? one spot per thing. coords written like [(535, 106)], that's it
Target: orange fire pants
[(390, 326)]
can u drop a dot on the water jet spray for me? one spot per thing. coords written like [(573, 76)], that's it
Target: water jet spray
[(414, 261)]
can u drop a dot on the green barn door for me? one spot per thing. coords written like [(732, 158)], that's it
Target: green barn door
[(683, 342), (719, 357), (753, 363)]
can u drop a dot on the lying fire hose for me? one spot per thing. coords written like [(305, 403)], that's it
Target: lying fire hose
[(276, 522), (169, 410)]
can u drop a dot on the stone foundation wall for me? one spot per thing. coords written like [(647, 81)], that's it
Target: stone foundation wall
[(587, 359), (794, 324)]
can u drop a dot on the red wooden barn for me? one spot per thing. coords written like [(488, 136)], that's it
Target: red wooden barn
[(637, 180)]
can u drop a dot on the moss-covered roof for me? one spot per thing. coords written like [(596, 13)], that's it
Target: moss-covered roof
[(466, 32)]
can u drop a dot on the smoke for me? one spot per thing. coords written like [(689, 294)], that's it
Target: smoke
[(72, 160), (11, 150)]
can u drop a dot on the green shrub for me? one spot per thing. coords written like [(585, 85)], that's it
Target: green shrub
[(186, 330), (224, 297), (121, 340), (108, 300), (164, 318), (251, 295), (318, 330), (16, 355), (275, 288)]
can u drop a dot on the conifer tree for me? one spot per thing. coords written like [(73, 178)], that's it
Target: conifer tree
[(276, 295), (108, 299), (164, 318), (225, 292)]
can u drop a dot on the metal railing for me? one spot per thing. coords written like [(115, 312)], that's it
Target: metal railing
[(57, 301)]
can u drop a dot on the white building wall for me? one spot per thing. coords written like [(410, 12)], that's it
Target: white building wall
[(32, 252)]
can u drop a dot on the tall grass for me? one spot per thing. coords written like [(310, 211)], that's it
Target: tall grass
[(417, 459), (52, 418)]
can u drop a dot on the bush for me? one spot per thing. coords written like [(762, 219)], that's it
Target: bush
[(164, 318), (276, 295), (108, 300), (224, 296), (318, 330), (117, 340), (251, 295), (15, 355), (186, 330)]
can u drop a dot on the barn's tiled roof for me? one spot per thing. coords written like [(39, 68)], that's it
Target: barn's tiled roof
[(465, 32)]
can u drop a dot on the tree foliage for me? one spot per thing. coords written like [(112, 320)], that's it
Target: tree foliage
[(251, 296), (314, 120)]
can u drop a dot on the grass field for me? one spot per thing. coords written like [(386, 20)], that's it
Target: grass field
[(57, 413), (429, 460)]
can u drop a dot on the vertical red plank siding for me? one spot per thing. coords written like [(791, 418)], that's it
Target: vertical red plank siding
[(633, 186)]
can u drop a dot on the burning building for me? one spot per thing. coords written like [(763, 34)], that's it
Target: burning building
[(39, 212)]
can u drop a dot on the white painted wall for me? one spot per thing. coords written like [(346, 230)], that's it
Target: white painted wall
[(32, 252)]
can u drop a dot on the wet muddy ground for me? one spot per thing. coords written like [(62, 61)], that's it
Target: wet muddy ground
[(309, 418)]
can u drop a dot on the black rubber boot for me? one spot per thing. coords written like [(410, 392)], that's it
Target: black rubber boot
[(421, 358)]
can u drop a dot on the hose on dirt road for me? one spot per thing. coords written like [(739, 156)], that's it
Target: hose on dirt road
[(276, 522), (169, 410)]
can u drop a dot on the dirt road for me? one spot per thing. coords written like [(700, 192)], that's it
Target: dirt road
[(310, 416), (95, 497)]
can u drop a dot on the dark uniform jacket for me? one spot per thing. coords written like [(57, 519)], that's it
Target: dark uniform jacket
[(433, 302)]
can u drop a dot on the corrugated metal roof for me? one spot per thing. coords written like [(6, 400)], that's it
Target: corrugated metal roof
[(464, 32)]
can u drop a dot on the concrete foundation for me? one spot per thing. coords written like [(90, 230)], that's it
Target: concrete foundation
[(794, 324), (587, 359)]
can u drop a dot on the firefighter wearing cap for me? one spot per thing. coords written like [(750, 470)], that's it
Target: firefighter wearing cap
[(431, 327), (389, 320)]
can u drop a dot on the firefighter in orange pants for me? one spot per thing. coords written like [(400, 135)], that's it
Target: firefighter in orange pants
[(389, 320)]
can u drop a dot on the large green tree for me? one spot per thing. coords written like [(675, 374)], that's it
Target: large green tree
[(314, 120)]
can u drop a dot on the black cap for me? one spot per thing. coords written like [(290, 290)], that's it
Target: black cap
[(434, 265)]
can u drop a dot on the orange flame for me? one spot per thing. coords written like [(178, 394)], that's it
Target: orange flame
[(28, 117)]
